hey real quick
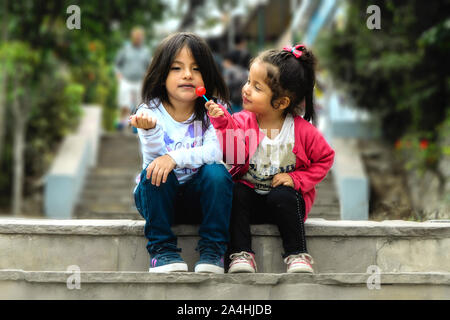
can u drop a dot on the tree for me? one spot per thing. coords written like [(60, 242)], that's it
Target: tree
[(19, 61), (43, 101), (398, 72), (3, 80)]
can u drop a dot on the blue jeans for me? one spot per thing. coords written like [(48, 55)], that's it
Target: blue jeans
[(205, 199)]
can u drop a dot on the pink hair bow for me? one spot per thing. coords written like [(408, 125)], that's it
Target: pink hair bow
[(295, 50)]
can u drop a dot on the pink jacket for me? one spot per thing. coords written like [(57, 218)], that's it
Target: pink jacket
[(314, 156)]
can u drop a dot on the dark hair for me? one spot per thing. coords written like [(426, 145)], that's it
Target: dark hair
[(233, 56), (239, 38), (154, 81), (292, 77)]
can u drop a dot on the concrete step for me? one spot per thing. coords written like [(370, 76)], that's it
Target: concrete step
[(116, 178), (107, 197), (127, 210), (106, 211), (324, 215), (110, 215), (19, 284), (119, 151), (119, 245), (111, 171), (131, 213)]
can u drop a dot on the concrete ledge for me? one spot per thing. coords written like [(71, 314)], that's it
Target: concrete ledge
[(351, 180), (120, 245), (314, 227), (345, 120), (19, 284), (66, 176), (91, 127), (441, 278)]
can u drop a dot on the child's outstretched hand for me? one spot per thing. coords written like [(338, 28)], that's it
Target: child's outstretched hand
[(213, 109), (282, 179), (142, 121)]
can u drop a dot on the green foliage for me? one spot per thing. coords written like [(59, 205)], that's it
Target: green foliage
[(18, 61), (61, 68), (420, 152), (48, 98), (91, 50), (398, 72), (98, 77)]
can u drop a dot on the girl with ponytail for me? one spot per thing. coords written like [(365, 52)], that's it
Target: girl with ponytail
[(276, 155)]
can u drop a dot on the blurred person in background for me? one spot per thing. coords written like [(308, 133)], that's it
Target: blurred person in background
[(244, 55), (235, 76), (131, 64), (214, 46), (235, 71)]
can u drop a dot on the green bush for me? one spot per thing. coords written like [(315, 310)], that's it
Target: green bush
[(98, 78), (397, 72), (74, 66), (55, 110)]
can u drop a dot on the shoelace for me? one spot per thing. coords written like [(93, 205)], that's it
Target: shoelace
[(244, 256), (167, 256), (304, 256), (210, 254)]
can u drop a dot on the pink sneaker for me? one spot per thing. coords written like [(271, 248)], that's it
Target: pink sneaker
[(299, 263), (242, 262)]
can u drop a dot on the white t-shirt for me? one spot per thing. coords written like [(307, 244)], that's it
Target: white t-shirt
[(186, 142), (272, 156)]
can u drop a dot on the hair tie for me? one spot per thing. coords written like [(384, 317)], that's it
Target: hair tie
[(295, 50)]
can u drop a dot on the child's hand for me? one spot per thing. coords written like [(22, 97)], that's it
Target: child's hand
[(213, 109), (160, 168), (142, 121), (282, 179)]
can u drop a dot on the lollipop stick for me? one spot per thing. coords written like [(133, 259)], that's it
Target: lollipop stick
[(205, 98)]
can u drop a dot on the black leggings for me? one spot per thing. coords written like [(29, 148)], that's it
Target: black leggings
[(282, 206)]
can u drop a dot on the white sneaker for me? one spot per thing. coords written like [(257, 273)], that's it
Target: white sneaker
[(299, 263), (242, 262)]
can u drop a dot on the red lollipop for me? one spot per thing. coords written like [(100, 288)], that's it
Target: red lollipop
[(200, 91)]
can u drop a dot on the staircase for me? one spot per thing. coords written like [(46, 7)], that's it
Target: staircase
[(108, 259), (102, 254), (108, 190)]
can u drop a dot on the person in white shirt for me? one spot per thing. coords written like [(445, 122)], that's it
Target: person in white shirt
[(130, 66), (183, 179)]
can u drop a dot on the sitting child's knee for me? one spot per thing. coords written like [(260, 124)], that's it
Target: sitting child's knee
[(216, 173), (281, 194)]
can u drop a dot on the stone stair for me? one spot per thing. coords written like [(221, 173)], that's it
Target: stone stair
[(107, 193), (35, 255), (38, 285), (105, 250)]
